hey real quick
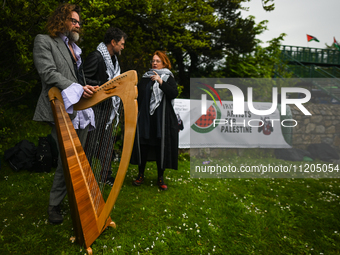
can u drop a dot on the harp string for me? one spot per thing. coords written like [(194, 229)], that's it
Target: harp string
[(100, 145)]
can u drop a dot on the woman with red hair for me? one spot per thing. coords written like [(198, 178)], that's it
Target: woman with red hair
[(157, 129)]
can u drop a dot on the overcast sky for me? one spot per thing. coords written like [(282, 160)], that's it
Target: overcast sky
[(296, 18)]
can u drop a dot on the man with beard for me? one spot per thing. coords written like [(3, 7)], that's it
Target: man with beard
[(101, 66), (58, 62)]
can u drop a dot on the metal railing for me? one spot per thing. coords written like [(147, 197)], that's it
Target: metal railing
[(312, 55), (299, 70)]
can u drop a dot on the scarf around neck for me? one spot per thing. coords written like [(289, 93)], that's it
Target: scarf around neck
[(157, 93), (112, 72)]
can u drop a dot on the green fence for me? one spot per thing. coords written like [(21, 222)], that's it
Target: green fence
[(308, 55)]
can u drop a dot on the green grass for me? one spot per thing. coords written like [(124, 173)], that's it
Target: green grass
[(194, 216)]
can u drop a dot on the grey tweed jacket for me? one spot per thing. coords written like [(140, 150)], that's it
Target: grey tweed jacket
[(54, 65)]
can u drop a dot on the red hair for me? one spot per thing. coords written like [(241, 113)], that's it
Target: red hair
[(164, 58)]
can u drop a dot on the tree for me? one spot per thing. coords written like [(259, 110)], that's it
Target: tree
[(20, 21), (197, 34), (263, 62)]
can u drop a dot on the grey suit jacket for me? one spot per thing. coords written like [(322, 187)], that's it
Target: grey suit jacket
[(54, 65)]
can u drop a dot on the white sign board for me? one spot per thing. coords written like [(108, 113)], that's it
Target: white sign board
[(220, 128)]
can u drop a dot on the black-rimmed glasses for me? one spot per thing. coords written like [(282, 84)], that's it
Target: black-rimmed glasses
[(75, 22)]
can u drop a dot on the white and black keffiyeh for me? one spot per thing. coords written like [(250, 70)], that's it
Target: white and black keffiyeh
[(157, 93), (112, 71)]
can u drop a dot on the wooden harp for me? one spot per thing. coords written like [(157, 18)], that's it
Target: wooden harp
[(90, 213)]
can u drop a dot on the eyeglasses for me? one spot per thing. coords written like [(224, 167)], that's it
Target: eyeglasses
[(157, 61), (75, 22)]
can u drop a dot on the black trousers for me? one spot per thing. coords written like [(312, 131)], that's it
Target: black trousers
[(145, 150)]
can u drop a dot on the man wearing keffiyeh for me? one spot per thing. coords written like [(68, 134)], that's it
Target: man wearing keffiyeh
[(101, 66)]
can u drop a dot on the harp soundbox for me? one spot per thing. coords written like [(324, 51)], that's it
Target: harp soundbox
[(90, 212)]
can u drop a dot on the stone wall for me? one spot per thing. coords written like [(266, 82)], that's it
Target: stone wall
[(322, 126)]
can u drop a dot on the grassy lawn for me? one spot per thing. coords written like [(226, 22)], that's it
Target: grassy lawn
[(194, 216)]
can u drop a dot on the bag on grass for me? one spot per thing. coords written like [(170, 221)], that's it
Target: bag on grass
[(21, 156)]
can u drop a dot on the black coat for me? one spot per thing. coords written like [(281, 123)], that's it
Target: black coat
[(95, 74), (95, 69), (169, 134)]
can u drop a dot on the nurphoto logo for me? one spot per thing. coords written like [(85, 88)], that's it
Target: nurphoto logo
[(238, 100), (211, 117)]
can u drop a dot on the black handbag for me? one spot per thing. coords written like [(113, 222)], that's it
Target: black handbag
[(21, 156)]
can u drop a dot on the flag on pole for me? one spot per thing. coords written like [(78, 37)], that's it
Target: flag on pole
[(336, 44), (312, 38)]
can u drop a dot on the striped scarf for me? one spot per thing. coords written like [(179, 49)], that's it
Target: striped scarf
[(112, 72), (157, 93)]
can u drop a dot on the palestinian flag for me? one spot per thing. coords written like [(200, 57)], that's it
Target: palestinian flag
[(336, 44), (312, 38)]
